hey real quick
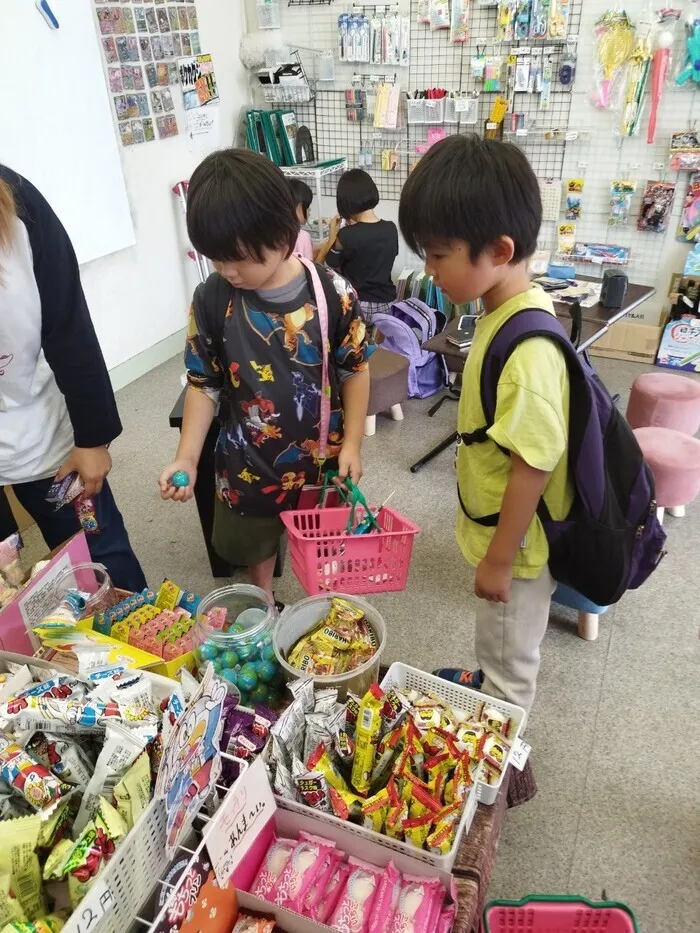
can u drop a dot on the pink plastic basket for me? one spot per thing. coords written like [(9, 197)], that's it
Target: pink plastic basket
[(327, 559), (558, 914)]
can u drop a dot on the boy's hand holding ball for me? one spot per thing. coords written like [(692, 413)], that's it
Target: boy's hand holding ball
[(177, 481)]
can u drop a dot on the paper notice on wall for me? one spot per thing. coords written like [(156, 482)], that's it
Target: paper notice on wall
[(203, 129)]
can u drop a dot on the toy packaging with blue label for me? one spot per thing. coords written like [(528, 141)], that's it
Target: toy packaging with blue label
[(680, 345)]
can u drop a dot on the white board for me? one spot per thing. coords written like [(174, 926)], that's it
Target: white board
[(56, 127)]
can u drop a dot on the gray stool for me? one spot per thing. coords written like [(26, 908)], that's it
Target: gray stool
[(388, 387)]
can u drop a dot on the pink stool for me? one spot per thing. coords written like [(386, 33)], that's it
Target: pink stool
[(674, 459), (661, 400)]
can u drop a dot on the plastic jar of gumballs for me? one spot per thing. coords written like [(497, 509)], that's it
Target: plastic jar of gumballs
[(234, 631)]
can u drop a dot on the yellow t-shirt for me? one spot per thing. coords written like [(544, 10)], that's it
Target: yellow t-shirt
[(532, 420)]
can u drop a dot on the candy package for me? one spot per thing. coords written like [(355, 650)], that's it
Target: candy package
[(271, 868), (27, 777), (354, 909), (339, 643), (253, 923), (419, 905), (10, 568), (299, 874)]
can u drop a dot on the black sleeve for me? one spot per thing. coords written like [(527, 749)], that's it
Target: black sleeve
[(68, 337)]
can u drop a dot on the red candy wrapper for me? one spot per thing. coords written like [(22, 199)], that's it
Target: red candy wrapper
[(355, 906), (29, 778)]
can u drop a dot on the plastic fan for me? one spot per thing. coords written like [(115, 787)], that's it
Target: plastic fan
[(615, 45)]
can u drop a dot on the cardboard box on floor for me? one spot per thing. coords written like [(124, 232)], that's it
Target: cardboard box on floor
[(238, 837), (628, 341), (30, 606)]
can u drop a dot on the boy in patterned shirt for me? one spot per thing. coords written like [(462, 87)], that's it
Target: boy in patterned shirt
[(254, 351)]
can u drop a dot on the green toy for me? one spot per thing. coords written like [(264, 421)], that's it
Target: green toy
[(691, 65)]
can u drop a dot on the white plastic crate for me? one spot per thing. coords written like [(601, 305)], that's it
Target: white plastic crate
[(122, 888), (415, 110), (404, 677)]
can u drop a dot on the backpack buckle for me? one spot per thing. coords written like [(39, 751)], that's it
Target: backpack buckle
[(479, 436)]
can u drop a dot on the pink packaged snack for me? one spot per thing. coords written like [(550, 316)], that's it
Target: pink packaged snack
[(275, 859), (446, 920), (354, 908), (331, 896), (419, 904), (387, 900), (318, 889), (300, 872)]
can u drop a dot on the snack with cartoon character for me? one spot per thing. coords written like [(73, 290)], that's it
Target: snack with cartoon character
[(27, 777)]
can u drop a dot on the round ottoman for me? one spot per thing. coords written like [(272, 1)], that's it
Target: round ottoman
[(588, 612), (661, 400), (674, 459), (388, 387)]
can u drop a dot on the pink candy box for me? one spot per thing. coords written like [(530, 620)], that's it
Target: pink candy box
[(216, 617), (420, 902), (152, 645), (271, 868), (387, 900), (300, 872), (171, 651), (354, 909)]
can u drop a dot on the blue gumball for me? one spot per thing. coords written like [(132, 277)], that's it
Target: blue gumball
[(260, 694), (230, 675), (247, 653), (267, 671), (208, 651), (218, 666), (247, 678), (180, 479), (268, 653), (229, 658)]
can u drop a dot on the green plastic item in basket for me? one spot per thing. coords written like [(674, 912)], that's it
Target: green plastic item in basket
[(558, 913), (352, 496)]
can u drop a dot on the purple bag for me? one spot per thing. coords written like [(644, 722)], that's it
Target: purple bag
[(611, 540), (408, 326)]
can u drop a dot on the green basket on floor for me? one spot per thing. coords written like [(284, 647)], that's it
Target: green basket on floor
[(558, 913)]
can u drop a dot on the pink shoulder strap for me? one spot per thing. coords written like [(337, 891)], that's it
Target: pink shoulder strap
[(322, 307)]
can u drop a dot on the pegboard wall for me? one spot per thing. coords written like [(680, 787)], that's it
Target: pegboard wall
[(598, 154)]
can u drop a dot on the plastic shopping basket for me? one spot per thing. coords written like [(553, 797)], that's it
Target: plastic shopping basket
[(558, 914), (326, 558)]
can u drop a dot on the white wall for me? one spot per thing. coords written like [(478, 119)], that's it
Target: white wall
[(139, 296)]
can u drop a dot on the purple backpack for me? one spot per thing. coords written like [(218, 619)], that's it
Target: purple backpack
[(611, 540), (405, 330)]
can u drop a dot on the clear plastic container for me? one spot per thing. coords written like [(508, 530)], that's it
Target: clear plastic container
[(299, 619), (239, 643), (92, 579)]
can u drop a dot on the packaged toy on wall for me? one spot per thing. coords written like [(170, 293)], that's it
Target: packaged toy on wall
[(574, 192), (615, 38), (689, 226), (621, 191), (690, 69), (637, 77), (657, 202), (664, 38)]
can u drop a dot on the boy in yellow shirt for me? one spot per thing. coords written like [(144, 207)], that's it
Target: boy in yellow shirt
[(472, 207)]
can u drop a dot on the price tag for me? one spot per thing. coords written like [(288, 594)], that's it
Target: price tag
[(519, 754), (97, 902), (246, 809)]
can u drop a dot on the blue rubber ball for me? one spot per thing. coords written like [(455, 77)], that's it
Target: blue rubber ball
[(180, 479), (229, 658), (230, 675), (208, 651), (267, 671), (268, 653), (260, 694), (247, 678), (247, 652)]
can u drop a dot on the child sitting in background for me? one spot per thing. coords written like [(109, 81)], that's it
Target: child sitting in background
[(363, 251), (254, 348), (472, 207), (303, 195)]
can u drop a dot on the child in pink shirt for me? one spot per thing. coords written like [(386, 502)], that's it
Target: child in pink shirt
[(304, 197)]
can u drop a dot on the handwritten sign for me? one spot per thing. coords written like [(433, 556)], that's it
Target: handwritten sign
[(97, 902), (519, 754), (203, 129), (246, 809)]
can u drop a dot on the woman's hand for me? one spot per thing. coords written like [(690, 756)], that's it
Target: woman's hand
[(182, 493), (92, 464)]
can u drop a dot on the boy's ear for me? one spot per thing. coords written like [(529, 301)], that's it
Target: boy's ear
[(502, 250)]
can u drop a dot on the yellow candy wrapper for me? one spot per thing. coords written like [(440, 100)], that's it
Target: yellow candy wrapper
[(49, 924), (133, 792), (346, 805), (375, 809), (10, 908), (18, 858), (320, 761), (416, 829), (369, 726)]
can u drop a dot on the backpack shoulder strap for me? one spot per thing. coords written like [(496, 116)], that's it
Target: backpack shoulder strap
[(530, 322)]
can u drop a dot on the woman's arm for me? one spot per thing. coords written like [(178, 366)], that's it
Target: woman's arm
[(332, 242)]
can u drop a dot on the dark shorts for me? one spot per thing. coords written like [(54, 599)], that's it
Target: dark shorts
[(245, 540)]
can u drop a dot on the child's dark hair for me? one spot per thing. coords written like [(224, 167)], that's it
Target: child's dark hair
[(356, 193), (239, 204), (303, 195), (474, 190)]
